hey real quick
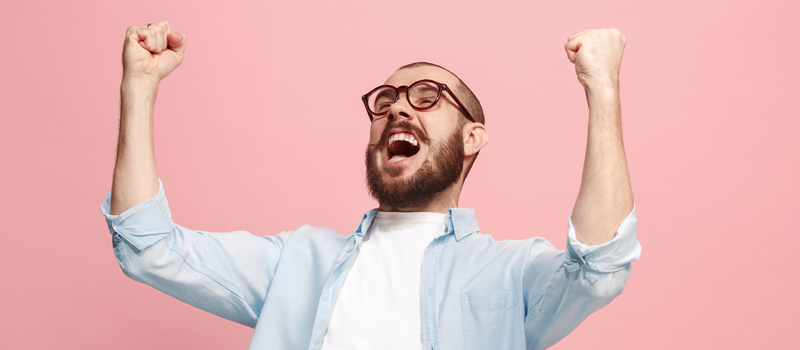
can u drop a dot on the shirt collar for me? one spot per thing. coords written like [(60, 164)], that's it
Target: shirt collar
[(460, 222)]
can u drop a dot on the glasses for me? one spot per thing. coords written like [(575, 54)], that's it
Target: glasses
[(421, 95)]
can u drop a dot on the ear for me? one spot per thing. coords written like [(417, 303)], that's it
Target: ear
[(475, 137)]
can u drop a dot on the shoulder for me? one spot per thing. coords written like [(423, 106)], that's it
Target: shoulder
[(317, 234), (315, 238), (487, 240), (487, 246)]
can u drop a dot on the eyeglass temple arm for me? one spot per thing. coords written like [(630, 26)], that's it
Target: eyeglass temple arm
[(366, 105), (460, 105)]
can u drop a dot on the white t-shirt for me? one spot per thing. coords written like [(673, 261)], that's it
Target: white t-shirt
[(378, 306)]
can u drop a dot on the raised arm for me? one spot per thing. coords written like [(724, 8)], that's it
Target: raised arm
[(590, 274), (225, 273), (148, 55), (605, 198)]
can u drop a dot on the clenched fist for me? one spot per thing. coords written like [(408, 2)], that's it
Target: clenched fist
[(597, 55), (150, 54)]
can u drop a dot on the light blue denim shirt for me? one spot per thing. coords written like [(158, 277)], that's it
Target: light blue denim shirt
[(475, 292)]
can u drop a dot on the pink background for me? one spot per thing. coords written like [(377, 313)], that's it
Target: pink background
[(262, 129)]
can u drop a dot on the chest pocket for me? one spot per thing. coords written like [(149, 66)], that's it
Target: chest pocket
[(490, 320)]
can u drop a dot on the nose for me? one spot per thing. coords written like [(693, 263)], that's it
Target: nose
[(400, 108)]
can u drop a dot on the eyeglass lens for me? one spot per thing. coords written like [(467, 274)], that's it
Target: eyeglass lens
[(421, 95)]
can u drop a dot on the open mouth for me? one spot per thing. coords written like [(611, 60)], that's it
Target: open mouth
[(401, 146)]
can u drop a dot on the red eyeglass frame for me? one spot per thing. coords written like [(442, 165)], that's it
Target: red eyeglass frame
[(405, 88)]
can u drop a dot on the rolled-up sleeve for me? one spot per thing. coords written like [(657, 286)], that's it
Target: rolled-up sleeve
[(578, 282), (225, 273), (143, 225)]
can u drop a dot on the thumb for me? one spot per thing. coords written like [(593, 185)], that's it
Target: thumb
[(572, 46), (176, 42)]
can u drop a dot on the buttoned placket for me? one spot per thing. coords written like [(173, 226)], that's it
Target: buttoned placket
[(429, 311), (332, 288), (335, 281), (429, 275)]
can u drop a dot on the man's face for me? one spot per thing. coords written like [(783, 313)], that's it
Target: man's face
[(414, 155)]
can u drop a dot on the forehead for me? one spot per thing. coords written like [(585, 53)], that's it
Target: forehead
[(408, 76)]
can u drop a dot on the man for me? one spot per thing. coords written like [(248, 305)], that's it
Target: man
[(416, 273)]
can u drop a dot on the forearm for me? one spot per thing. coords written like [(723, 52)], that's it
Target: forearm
[(135, 178), (605, 198)]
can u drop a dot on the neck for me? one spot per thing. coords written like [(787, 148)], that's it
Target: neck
[(440, 204)]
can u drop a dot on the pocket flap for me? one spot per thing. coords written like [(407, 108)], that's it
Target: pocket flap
[(488, 300)]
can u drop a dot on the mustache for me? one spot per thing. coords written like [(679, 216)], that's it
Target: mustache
[(402, 125)]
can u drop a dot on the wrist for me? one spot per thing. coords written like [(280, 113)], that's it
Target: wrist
[(602, 97), (603, 85), (599, 91), (137, 97), (139, 85)]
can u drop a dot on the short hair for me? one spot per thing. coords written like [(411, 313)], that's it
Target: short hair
[(465, 95)]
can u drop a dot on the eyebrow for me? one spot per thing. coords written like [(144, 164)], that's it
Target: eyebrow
[(429, 88), (385, 93)]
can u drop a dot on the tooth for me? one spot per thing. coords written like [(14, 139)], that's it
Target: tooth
[(414, 142)]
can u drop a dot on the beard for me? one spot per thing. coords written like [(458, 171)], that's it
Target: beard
[(437, 173)]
